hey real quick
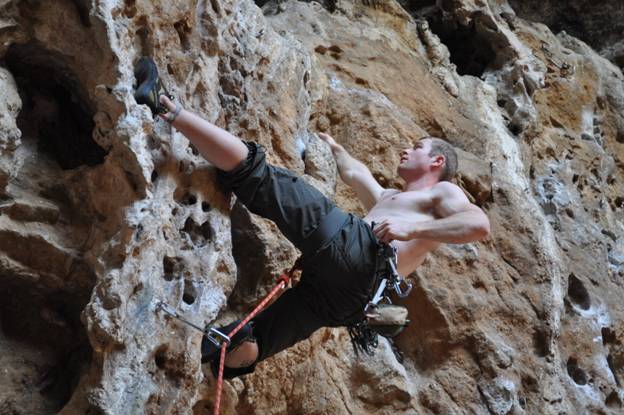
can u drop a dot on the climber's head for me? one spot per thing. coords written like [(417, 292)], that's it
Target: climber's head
[(429, 156)]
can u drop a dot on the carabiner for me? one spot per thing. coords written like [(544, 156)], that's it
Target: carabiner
[(217, 337), (393, 267), (397, 288)]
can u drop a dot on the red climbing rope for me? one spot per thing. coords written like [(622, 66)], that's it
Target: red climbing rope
[(282, 282)]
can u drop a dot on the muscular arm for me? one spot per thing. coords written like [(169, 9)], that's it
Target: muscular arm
[(457, 220), (355, 174)]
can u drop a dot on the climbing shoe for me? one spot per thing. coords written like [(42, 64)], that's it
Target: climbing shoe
[(211, 351), (149, 86)]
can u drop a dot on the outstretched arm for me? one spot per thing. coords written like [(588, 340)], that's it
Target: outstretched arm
[(457, 220), (355, 174)]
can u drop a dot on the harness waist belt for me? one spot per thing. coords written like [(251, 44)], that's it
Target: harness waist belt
[(326, 231)]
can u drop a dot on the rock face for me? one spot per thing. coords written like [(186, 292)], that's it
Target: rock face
[(104, 212), (599, 25)]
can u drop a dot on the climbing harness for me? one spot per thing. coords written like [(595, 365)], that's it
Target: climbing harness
[(381, 317)]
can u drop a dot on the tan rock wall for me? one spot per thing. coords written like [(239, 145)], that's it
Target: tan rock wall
[(104, 212)]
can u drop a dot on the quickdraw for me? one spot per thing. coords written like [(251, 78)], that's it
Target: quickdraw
[(212, 334), (392, 258), (381, 317), (222, 340)]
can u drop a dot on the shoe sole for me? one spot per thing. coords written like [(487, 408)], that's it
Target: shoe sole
[(147, 91)]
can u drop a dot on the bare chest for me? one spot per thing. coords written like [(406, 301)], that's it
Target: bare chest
[(410, 207), (406, 202)]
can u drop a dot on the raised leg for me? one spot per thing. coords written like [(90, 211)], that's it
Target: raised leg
[(220, 148)]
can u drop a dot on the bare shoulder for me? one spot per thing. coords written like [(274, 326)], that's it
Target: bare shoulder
[(448, 199), (446, 190)]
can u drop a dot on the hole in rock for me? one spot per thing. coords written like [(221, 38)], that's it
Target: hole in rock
[(200, 235), (55, 106), (530, 383), (515, 129), (608, 336), (43, 344), (522, 402), (136, 289), (216, 7), (577, 374), (471, 51), (190, 292), (130, 9), (613, 400), (194, 150), (160, 357), (172, 266), (189, 199), (205, 230), (171, 362), (540, 343), (577, 293), (184, 29)]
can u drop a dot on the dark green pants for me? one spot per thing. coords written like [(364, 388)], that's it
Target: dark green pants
[(338, 271)]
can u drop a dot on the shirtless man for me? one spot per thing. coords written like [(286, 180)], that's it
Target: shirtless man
[(429, 211), (340, 252)]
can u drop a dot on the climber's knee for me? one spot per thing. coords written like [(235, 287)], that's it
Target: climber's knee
[(243, 355)]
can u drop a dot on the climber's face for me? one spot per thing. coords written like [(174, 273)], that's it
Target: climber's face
[(416, 161)]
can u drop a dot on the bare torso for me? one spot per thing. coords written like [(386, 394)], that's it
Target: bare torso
[(413, 206)]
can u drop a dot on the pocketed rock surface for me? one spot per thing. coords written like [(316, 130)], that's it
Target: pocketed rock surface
[(105, 213)]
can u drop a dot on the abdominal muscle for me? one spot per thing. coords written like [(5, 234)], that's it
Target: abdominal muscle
[(410, 253)]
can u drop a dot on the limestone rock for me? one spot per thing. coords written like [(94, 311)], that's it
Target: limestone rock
[(104, 212)]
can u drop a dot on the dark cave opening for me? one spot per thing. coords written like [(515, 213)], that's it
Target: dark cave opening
[(471, 51), (43, 290), (43, 340), (55, 107), (472, 47), (599, 25)]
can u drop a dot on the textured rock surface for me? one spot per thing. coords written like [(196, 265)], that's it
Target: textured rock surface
[(600, 25), (103, 212)]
